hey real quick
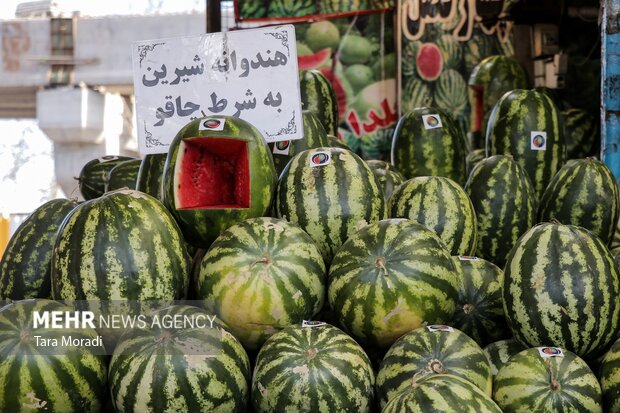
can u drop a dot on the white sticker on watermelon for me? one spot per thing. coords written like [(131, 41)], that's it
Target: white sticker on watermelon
[(439, 327), (215, 124), (538, 141), (466, 258), (548, 352), (282, 147), (107, 158), (320, 158), (432, 121), (310, 324)]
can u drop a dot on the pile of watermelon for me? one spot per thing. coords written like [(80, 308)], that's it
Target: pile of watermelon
[(449, 279)]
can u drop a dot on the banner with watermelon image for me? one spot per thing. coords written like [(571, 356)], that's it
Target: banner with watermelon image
[(304, 10), (440, 43), (357, 54)]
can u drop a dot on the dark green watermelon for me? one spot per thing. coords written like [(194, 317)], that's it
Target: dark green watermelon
[(318, 96), (25, 266), (94, 174), (151, 173), (123, 175)]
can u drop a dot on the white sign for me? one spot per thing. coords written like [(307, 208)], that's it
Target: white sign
[(250, 74), (538, 141)]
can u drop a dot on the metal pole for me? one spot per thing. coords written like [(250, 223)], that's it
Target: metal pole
[(214, 16), (610, 86)]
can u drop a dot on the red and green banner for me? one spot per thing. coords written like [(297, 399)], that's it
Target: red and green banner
[(357, 54)]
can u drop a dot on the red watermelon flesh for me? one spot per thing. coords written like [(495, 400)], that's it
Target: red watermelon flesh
[(341, 95), (312, 61), (429, 61), (214, 173)]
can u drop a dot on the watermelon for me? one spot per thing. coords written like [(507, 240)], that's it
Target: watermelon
[(250, 9), (441, 205), (391, 277), (437, 349), (561, 289), (314, 137), (122, 245), (389, 180), (216, 178), (428, 142), (322, 34), (451, 93), (451, 51), (150, 174), (313, 60), (198, 367), (473, 158), (94, 174), (319, 97), (123, 175), (610, 378), (312, 368), (493, 77), (336, 143), (582, 134), (479, 309), (270, 265), (441, 393), (40, 374), (380, 164), (355, 49), (291, 8), (25, 264), (329, 193), (547, 379), (527, 125), (429, 61), (499, 352), (583, 193), (505, 204)]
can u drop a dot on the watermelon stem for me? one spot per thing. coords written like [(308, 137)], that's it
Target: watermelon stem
[(555, 384), (436, 366), (468, 308)]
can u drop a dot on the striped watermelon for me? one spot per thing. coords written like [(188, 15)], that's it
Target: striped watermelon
[(151, 173), (505, 204), (198, 368), (318, 96), (389, 278), (537, 380), (451, 93), (561, 289), (272, 267), (94, 174), (54, 378), (123, 175), (610, 379), (491, 79), (428, 142), (25, 265), (437, 349), (123, 245), (216, 178), (389, 181), (473, 158), (499, 352), (582, 134), (329, 193), (583, 193), (441, 393), (527, 125), (314, 368), (314, 137), (291, 8), (442, 206), (479, 309), (336, 143)]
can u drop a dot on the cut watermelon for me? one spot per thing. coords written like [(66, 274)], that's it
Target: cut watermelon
[(429, 61), (341, 95), (214, 173), (315, 60)]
